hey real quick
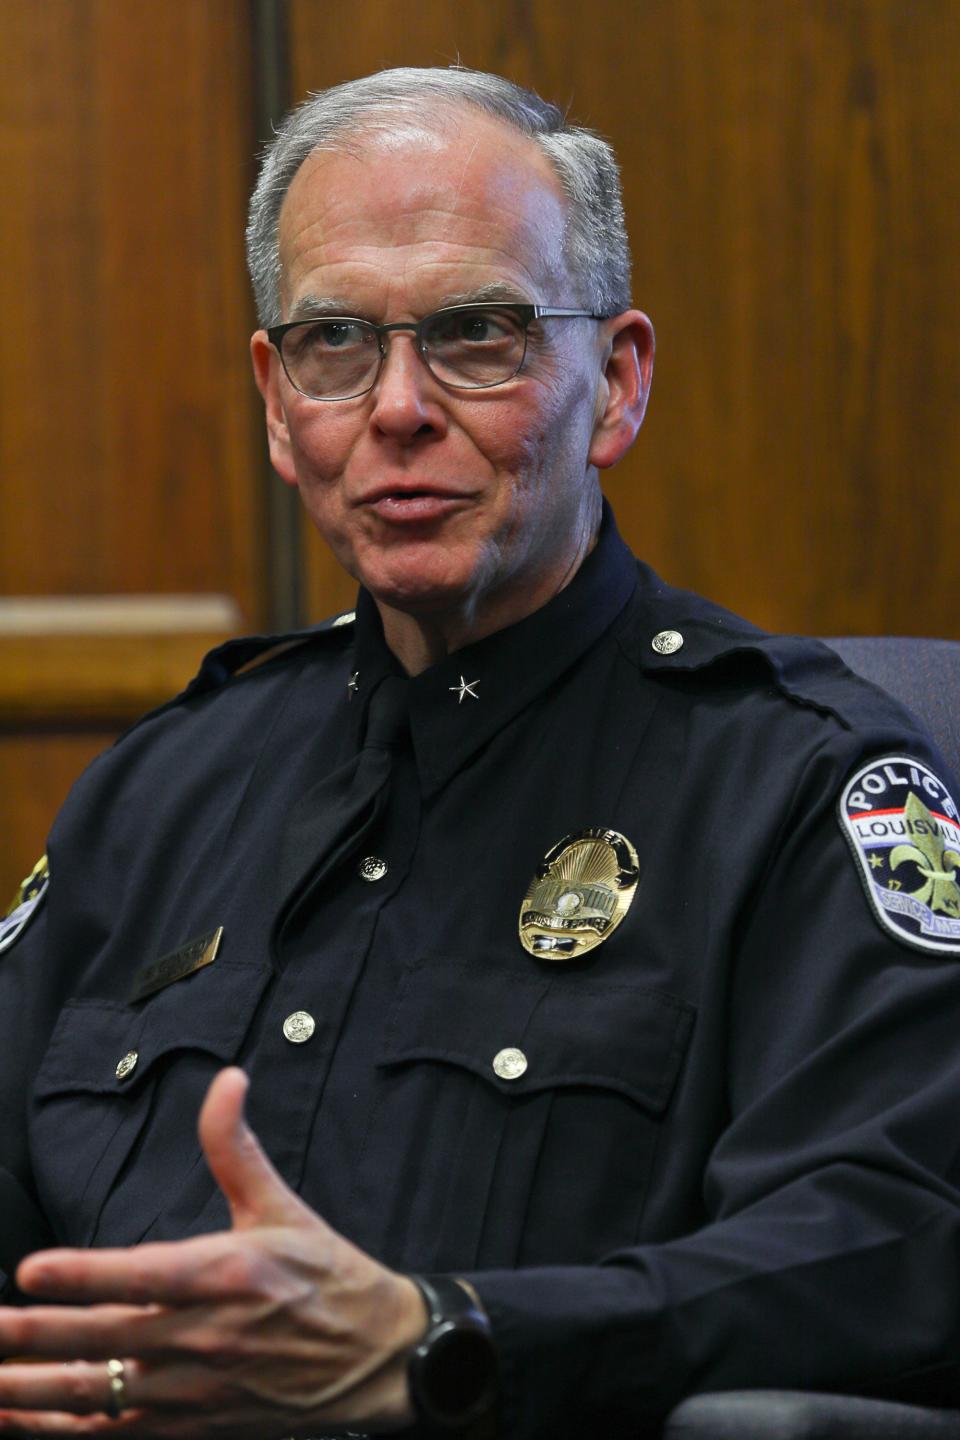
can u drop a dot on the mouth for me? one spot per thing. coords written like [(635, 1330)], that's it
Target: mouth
[(407, 504)]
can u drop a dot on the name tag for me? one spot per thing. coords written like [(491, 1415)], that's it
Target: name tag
[(177, 965)]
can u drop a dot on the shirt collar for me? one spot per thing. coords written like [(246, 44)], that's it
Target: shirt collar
[(459, 704)]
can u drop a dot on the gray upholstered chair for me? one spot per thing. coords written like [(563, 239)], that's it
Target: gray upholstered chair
[(925, 676)]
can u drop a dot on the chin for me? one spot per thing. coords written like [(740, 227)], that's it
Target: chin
[(420, 584), (420, 599)]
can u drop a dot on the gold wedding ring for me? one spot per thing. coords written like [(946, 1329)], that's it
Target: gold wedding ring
[(117, 1398)]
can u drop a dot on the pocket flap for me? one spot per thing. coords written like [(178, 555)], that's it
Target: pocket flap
[(209, 1011), (569, 1030)]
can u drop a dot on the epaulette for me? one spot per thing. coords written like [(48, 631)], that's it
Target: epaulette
[(687, 634), (241, 655), (248, 652)]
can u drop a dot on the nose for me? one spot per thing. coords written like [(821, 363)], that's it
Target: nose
[(407, 399)]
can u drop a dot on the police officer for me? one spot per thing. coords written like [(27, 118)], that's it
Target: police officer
[(585, 959)]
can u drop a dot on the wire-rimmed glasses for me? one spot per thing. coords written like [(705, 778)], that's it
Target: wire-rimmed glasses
[(468, 347)]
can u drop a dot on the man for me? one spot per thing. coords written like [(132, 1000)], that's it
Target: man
[(548, 910)]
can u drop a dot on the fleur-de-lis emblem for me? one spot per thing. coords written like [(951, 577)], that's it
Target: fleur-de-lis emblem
[(936, 862)]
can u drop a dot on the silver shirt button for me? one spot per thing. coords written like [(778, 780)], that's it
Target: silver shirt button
[(127, 1065), (509, 1064), (373, 868), (668, 642), (299, 1027)]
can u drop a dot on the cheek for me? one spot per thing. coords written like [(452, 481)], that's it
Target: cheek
[(320, 446), (551, 439), (524, 438)]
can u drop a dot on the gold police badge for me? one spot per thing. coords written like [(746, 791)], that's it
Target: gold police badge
[(581, 891)]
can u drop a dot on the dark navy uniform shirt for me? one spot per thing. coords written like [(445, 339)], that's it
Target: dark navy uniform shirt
[(731, 1159)]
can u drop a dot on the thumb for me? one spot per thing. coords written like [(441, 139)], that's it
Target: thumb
[(253, 1189)]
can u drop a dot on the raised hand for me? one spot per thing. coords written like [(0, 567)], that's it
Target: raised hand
[(278, 1326)]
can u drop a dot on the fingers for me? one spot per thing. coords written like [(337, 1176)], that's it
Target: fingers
[(163, 1402), (34, 1424), (74, 1399), (188, 1270), (94, 1333), (178, 1272), (80, 1388), (253, 1189), (219, 1333), (218, 1336), (200, 1311)]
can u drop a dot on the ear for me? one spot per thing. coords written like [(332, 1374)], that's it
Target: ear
[(268, 373), (624, 386)]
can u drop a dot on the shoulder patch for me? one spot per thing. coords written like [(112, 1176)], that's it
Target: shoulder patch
[(25, 903), (904, 829)]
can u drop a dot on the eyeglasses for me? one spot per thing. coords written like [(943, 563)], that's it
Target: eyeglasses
[(468, 347)]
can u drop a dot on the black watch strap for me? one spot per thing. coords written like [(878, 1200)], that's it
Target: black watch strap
[(447, 1299), (453, 1371)]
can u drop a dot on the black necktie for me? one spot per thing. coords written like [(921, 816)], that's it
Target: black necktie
[(332, 817)]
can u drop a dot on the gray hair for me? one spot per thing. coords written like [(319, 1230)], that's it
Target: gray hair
[(595, 242)]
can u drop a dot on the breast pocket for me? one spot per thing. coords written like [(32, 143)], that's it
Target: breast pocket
[(123, 1083), (518, 1116)]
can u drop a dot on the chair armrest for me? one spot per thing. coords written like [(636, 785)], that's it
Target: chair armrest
[(799, 1415)]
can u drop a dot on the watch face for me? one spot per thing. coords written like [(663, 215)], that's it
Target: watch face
[(453, 1377)]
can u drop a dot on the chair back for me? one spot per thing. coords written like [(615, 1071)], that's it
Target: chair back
[(923, 674)]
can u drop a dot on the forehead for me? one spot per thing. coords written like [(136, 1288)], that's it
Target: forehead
[(410, 217)]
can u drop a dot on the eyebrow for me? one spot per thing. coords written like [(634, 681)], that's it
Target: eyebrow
[(311, 307), (497, 290)]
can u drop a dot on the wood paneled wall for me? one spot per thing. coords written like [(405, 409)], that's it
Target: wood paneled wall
[(129, 441), (125, 435), (791, 174)]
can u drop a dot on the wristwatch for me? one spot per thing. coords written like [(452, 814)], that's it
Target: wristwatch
[(452, 1373)]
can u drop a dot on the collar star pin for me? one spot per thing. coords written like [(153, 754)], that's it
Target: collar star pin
[(465, 688), (581, 891)]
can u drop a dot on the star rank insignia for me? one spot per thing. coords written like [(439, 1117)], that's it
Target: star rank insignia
[(465, 688)]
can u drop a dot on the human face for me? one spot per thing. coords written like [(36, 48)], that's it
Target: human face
[(464, 509)]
